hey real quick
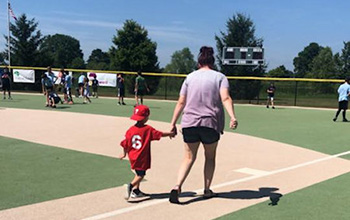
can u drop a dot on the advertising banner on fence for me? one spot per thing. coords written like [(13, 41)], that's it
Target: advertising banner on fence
[(23, 76), (106, 79)]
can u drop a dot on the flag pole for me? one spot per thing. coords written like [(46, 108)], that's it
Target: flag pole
[(8, 37)]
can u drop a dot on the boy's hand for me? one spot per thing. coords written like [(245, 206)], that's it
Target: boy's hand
[(122, 156)]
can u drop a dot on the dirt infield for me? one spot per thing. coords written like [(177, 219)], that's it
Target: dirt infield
[(244, 165)]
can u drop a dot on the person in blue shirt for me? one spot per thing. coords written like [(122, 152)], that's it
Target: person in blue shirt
[(344, 93), (47, 86), (68, 88), (81, 83)]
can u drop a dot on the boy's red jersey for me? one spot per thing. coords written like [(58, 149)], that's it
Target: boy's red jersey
[(137, 143)]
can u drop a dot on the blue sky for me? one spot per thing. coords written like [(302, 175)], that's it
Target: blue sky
[(286, 26)]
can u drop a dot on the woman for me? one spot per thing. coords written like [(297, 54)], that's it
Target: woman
[(202, 97)]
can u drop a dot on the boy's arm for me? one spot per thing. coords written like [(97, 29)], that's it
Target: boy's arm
[(169, 134), (122, 155)]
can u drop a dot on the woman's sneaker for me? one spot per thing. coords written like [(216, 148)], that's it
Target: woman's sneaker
[(137, 193)]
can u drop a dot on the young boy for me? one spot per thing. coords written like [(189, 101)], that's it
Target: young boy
[(54, 99), (270, 95), (86, 91), (94, 87), (121, 89), (137, 144), (140, 88), (6, 84)]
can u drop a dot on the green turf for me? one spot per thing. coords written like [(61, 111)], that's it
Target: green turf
[(323, 201), (312, 129), (32, 173)]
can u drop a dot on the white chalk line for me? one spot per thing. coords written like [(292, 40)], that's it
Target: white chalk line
[(148, 204)]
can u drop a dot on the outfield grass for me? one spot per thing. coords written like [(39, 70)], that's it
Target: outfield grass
[(323, 201), (312, 129), (32, 173)]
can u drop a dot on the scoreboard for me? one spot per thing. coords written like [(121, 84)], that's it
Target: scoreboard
[(243, 56)]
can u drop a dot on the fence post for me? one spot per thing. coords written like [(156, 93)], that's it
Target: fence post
[(295, 93), (166, 87)]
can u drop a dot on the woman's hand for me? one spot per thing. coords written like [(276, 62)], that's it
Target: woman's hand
[(173, 130), (233, 123)]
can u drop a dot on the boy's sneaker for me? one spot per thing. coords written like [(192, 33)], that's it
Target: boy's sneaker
[(136, 193), (273, 107), (123, 103), (345, 120), (128, 189), (267, 106), (334, 119), (119, 103)]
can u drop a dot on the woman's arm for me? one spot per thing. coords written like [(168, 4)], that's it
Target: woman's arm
[(228, 104), (180, 105)]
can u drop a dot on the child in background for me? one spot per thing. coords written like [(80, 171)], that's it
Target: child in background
[(94, 87), (6, 83), (137, 144), (86, 90), (54, 99), (121, 89), (68, 89)]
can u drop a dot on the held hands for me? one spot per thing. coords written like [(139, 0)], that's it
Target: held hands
[(173, 132), (233, 123)]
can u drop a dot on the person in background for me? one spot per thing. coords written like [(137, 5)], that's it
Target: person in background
[(51, 75), (68, 89), (81, 84), (6, 83), (60, 80), (121, 89), (86, 91), (343, 99), (270, 96), (47, 87), (95, 87), (54, 99), (203, 96), (140, 88)]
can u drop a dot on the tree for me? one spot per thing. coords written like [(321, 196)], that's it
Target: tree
[(98, 60), (303, 62), (323, 65), (240, 33), (133, 51), (182, 61), (280, 71), (60, 51), (24, 42), (343, 61)]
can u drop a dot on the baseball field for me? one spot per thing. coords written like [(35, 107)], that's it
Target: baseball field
[(286, 163)]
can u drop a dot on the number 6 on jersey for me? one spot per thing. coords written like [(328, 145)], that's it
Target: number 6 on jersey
[(136, 142)]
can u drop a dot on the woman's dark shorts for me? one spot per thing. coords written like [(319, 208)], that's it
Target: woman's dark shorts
[(200, 134), (343, 105), (140, 172)]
